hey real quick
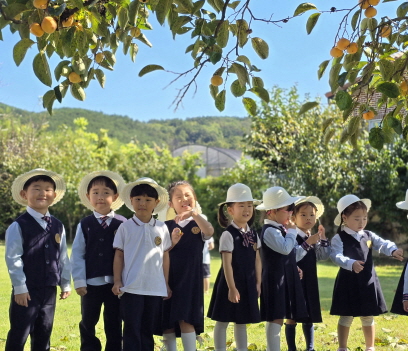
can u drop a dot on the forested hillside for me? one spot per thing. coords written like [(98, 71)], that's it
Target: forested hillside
[(226, 132)]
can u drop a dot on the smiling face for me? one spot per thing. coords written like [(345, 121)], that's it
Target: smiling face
[(182, 199), (144, 206), (357, 220), (101, 197), (39, 195), (305, 218), (241, 212)]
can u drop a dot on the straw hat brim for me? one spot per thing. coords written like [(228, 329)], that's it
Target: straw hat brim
[(367, 202), (83, 186), (19, 182), (162, 192), (315, 201), (403, 205), (285, 203)]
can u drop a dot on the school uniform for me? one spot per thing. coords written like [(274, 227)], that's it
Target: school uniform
[(144, 285), (401, 294), (243, 244), (37, 261), (185, 279), (358, 294), (306, 257), (282, 295), (92, 267)]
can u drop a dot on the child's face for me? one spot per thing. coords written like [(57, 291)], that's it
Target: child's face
[(183, 199), (305, 218), (144, 206), (101, 198), (357, 220), (281, 215), (241, 212), (39, 195)]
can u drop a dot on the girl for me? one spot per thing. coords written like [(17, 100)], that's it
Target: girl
[(310, 249), (183, 314), (400, 303), (238, 284), (357, 291), (282, 295)]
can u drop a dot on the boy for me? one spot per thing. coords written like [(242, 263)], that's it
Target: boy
[(37, 260), (141, 263), (92, 259)]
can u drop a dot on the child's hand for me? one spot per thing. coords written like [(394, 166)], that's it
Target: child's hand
[(169, 293), (300, 273), (313, 239), (233, 295), (322, 232), (116, 288), (64, 294), (22, 299), (81, 291), (358, 266), (398, 254), (183, 215), (176, 235), (405, 304), (290, 225)]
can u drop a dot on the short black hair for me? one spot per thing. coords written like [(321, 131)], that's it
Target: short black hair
[(144, 189), (39, 178), (109, 183)]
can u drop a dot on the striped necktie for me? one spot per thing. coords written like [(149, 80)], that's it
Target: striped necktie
[(48, 220), (103, 223)]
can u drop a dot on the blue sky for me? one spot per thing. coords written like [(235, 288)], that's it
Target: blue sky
[(294, 58)]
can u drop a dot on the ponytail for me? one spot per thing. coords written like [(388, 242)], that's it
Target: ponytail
[(223, 221)]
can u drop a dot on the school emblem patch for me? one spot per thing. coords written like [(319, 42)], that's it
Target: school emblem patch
[(369, 244), (157, 240), (58, 238), (196, 230)]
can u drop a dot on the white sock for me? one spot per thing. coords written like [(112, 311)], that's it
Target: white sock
[(189, 341), (240, 335), (170, 341), (273, 336), (220, 336)]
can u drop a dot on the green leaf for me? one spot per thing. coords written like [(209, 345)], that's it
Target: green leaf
[(215, 57), (234, 4), (223, 34), (220, 100), (311, 22), (219, 71), (144, 40), (123, 17), (237, 89), (342, 79), (334, 76), (390, 90), (322, 68), (343, 100), (261, 47), (14, 9), (78, 92), (41, 69), (149, 68), (242, 27), (20, 50), (261, 93), (376, 138), (257, 82), (354, 125), (250, 105), (328, 135), (386, 69), (56, 11), (213, 91), (344, 136), (307, 106), (241, 72), (133, 51), (59, 67), (48, 100), (162, 8), (244, 59), (402, 9), (100, 76), (306, 6), (395, 124), (197, 6), (133, 12), (58, 94), (354, 19), (326, 123)]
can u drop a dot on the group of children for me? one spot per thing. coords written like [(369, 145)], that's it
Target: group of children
[(148, 273)]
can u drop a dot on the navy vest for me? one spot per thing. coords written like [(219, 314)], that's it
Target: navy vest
[(41, 251), (99, 251)]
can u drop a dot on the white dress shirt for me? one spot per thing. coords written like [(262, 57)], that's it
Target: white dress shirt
[(322, 252), (274, 239)]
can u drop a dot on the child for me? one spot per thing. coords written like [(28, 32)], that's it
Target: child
[(282, 295), (208, 246), (183, 314), (92, 259), (141, 263), (400, 303), (37, 260), (310, 248), (357, 291), (238, 284)]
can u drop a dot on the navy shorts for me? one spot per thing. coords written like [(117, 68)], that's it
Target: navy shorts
[(206, 270)]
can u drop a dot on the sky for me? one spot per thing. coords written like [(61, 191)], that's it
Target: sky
[(294, 58)]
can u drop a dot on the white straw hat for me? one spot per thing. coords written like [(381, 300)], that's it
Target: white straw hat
[(345, 202), (276, 197), (163, 194), (19, 182), (403, 204), (239, 193), (83, 187), (315, 201)]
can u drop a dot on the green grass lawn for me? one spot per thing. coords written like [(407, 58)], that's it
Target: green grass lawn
[(392, 330)]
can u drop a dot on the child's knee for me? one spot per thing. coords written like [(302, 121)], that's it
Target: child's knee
[(345, 321), (367, 321)]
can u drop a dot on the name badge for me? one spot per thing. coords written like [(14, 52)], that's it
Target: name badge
[(196, 230), (57, 238), (157, 240), (369, 244)]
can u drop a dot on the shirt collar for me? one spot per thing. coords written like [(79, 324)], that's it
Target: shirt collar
[(152, 221), (350, 231), (301, 233), (111, 214), (36, 214), (247, 229), (184, 222)]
